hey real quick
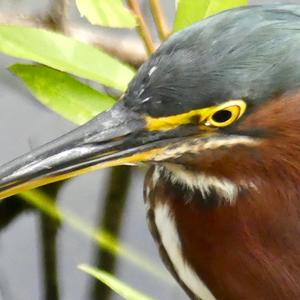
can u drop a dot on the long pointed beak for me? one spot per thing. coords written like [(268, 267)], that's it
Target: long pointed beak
[(115, 137)]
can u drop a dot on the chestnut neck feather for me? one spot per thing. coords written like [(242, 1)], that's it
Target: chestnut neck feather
[(249, 250)]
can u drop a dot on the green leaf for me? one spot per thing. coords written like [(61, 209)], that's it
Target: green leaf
[(62, 93), (115, 284), (189, 12), (217, 6), (65, 54), (111, 13)]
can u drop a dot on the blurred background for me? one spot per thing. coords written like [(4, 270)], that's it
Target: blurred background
[(38, 255)]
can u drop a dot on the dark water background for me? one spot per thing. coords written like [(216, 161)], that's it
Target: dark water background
[(25, 124)]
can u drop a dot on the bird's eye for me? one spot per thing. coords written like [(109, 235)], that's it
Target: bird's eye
[(227, 113), (221, 116)]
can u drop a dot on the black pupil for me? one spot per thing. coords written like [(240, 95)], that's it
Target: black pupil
[(222, 116)]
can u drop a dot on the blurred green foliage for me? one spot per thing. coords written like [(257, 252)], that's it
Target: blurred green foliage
[(65, 54), (115, 284), (189, 12), (62, 93), (106, 13)]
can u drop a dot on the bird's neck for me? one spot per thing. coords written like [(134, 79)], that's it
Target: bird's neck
[(242, 249), (237, 212)]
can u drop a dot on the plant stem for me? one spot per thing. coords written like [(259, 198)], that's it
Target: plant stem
[(143, 29), (57, 14), (114, 207), (159, 19), (48, 231), (10, 209)]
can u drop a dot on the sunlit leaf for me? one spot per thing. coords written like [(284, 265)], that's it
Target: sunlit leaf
[(111, 13), (65, 54), (115, 284), (45, 203), (62, 93), (216, 6), (189, 12)]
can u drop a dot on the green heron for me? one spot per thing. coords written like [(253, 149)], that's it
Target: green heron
[(216, 112)]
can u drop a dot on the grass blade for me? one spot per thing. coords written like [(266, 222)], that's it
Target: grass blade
[(115, 284), (44, 203)]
